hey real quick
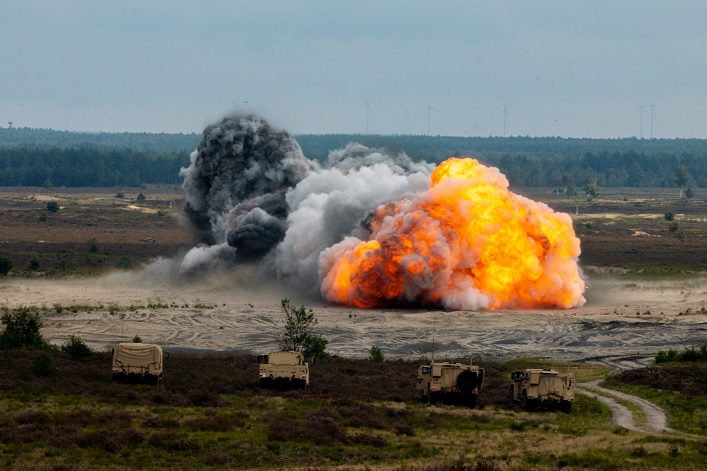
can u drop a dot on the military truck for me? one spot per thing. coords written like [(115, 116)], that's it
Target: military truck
[(283, 370), (536, 388), (450, 382), (137, 363)]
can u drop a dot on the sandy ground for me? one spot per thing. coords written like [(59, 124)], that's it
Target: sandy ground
[(624, 322)]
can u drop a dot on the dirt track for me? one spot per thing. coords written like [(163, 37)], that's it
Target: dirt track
[(623, 322)]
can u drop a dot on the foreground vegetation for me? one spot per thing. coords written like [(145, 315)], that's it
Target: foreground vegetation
[(210, 413)]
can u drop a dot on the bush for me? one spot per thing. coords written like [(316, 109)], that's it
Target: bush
[(137, 339), (22, 330), (376, 355), (141, 197), (120, 194), (52, 206), (77, 348), (125, 262), (5, 265), (34, 264), (43, 365), (669, 215)]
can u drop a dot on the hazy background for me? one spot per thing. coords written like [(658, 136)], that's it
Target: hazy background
[(564, 68)]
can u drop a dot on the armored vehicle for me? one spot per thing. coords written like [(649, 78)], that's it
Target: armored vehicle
[(536, 388), (450, 382), (283, 370), (137, 363)]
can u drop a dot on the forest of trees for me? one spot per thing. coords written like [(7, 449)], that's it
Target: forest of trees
[(35, 157)]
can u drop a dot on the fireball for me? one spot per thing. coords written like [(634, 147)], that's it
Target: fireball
[(465, 243)]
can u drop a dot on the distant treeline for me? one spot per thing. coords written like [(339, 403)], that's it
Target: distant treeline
[(32, 157)]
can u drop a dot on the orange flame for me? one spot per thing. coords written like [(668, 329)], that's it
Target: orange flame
[(466, 243)]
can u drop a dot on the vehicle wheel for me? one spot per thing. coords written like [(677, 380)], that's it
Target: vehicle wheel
[(470, 400), (467, 381), (511, 395), (566, 407), (527, 403)]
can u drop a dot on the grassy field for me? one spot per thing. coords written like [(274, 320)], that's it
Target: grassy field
[(210, 414)]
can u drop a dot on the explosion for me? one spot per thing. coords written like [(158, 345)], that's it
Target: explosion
[(369, 228), (465, 243)]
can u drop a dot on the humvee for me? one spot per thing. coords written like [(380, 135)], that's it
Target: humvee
[(283, 369), (137, 363), (542, 388), (450, 382)]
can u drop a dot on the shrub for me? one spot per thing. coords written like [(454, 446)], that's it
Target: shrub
[(137, 339), (125, 262), (689, 193), (22, 330), (376, 355), (673, 226), (669, 215), (52, 206), (43, 365), (43, 217), (141, 197), (120, 194), (34, 264), (77, 348), (93, 247), (5, 265)]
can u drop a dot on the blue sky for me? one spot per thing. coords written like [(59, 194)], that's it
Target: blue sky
[(564, 68)]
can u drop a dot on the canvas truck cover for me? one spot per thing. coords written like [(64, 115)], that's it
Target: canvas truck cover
[(137, 358), (285, 358)]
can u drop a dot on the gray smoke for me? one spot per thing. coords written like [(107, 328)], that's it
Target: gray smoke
[(251, 194), (235, 190)]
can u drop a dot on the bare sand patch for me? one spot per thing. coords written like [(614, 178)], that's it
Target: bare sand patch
[(241, 311)]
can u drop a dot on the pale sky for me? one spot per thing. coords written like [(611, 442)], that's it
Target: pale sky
[(564, 68)]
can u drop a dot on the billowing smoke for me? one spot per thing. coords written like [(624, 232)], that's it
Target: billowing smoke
[(372, 228), (235, 190)]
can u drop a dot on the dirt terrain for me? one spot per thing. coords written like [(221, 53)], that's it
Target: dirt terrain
[(627, 318)]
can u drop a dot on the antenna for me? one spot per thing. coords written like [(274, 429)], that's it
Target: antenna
[(429, 114), (9, 124), (505, 117), (640, 108), (368, 114), (434, 325), (653, 117)]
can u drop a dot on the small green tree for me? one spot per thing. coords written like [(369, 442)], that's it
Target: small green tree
[(689, 193), (137, 339), (52, 206), (591, 188), (76, 347), (120, 194), (669, 215), (5, 266), (141, 197), (376, 355), (682, 176), (47, 184), (673, 226), (22, 330), (298, 336)]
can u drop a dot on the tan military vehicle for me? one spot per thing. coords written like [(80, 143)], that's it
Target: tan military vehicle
[(283, 370), (536, 388), (450, 382), (137, 363)]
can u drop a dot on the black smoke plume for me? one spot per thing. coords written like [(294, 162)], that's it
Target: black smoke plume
[(235, 189)]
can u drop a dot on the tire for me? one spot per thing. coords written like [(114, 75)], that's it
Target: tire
[(470, 400), (511, 394), (566, 407), (467, 381), (527, 403)]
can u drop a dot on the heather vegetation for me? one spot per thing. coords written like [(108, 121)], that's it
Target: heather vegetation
[(210, 413)]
